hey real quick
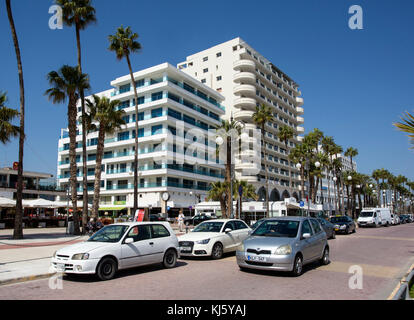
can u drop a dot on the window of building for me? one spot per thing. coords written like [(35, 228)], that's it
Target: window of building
[(218, 55), (205, 70), (203, 80), (205, 59), (219, 78)]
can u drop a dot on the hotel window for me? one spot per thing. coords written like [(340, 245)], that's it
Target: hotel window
[(156, 96), (140, 83), (218, 55), (203, 80), (205, 70), (124, 88), (205, 59), (219, 78)]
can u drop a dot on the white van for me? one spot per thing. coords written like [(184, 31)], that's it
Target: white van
[(374, 217)]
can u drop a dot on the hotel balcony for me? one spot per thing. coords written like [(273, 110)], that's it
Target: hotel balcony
[(300, 101), (300, 110), (244, 115), (244, 64), (300, 120), (246, 103), (301, 130), (246, 77), (245, 89)]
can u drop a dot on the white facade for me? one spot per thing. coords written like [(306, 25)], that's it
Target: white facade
[(176, 154), (246, 79)]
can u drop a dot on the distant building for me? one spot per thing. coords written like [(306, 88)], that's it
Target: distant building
[(35, 185)]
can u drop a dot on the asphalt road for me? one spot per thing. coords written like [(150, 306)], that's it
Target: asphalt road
[(384, 254)]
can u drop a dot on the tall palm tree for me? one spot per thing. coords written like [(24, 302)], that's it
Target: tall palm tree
[(229, 131), (248, 192), (337, 171), (376, 175), (123, 43), (299, 155), (18, 219), (351, 153), (80, 13), (407, 126), (7, 129), (328, 147), (286, 133), (66, 85), (263, 115), (104, 116), (218, 192)]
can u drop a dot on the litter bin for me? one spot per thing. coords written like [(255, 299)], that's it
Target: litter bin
[(70, 227)]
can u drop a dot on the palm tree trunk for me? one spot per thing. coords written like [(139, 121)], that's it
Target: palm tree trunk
[(228, 177), (348, 201), (266, 173), (72, 158), (302, 173), (136, 138), (290, 174), (343, 196), (98, 171), (84, 155), (18, 219)]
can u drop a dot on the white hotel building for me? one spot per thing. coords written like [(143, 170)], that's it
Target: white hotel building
[(246, 79), (176, 113)]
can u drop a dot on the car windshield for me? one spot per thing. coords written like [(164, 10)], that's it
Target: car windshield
[(277, 228), (109, 234), (256, 224), (209, 226), (339, 220), (366, 214)]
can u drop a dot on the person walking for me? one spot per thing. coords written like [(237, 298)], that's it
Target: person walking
[(181, 220)]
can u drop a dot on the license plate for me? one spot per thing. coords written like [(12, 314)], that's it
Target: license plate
[(256, 258), (60, 267), (336, 229), (185, 249)]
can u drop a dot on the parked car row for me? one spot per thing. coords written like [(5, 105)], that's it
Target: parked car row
[(286, 244)]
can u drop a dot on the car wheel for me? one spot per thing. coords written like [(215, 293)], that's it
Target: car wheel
[(353, 231), (170, 259), (347, 230), (333, 234), (106, 269), (217, 251), (325, 258), (297, 266)]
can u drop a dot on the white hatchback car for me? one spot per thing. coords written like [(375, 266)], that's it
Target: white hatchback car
[(120, 246), (214, 237)]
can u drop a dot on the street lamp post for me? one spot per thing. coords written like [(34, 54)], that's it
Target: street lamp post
[(334, 180)]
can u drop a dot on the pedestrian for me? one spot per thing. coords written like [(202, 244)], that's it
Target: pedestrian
[(90, 226), (99, 224), (181, 220)]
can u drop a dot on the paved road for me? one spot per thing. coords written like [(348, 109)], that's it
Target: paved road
[(384, 254)]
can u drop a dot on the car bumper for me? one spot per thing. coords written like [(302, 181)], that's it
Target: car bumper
[(273, 262), (74, 266), (198, 250), (366, 224)]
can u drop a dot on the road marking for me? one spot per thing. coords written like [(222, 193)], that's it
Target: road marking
[(368, 269), (384, 238)]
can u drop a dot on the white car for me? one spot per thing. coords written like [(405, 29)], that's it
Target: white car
[(214, 237), (120, 246), (395, 219)]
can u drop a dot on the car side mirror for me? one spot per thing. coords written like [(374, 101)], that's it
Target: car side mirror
[(228, 230), (306, 235), (129, 240)]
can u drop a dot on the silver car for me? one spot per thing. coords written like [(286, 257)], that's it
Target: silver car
[(284, 244)]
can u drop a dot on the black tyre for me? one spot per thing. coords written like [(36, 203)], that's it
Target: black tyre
[(297, 266), (325, 257), (170, 259), (217, 251), (333, 234), (107, 269), (347, 230)]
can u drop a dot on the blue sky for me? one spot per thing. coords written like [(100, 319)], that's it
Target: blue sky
[(355, 83)]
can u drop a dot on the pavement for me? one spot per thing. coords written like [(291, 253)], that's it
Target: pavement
[(29, 259)]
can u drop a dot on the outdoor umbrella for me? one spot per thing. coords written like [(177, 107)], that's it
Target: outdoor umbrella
[(7, 203)]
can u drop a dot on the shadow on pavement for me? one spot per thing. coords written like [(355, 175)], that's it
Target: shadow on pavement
[(203, 258), (120, 274), (37, 236)]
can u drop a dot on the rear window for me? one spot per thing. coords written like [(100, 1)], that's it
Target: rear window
[(159, 231)]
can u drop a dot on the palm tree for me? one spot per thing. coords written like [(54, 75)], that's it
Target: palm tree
[(80, 13), (123, 43), (263, 115), (7, 129), (286, 133), (351, 153), (18, 230), (376, 175), (108, 119), (298, 155), (248, 192), (229, 130), (66, 85), (218, 192), (337, 171), (407, 125), (328, 146)]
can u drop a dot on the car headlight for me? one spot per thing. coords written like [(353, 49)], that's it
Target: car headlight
[(80, 256), (343, 226), (284, 250), (203, 241)]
